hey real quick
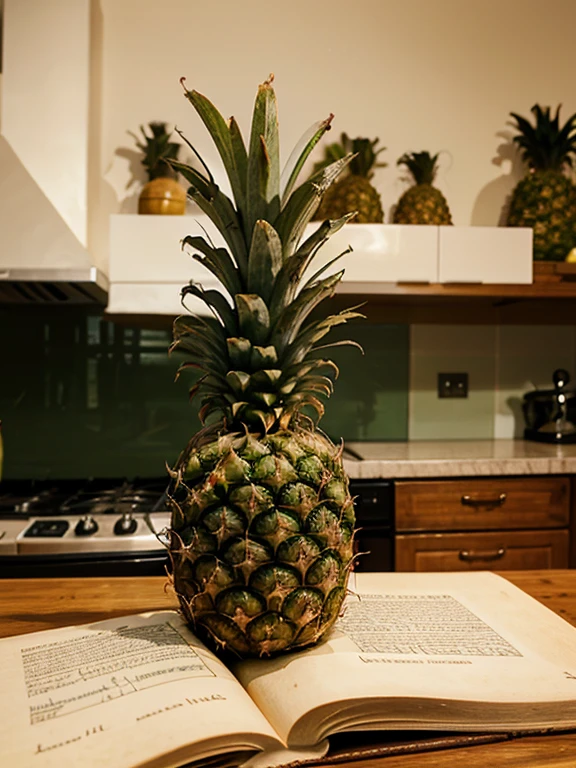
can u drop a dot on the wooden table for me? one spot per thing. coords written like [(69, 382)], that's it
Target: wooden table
[(30, 605)]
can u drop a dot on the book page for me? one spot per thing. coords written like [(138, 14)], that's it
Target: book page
[(447, 650), (128, 692)]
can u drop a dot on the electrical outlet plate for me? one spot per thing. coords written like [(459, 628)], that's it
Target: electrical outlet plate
[(453, 385)]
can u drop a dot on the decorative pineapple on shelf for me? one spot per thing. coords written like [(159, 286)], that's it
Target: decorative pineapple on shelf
[(261, 538), (545, 199), (162, 194), (354, 190), (422, 203)]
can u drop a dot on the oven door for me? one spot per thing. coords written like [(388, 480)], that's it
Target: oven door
[(375, 549), (374, 541), (85, 564)]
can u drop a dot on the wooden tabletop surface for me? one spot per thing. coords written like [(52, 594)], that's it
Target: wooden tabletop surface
[(30, 605)]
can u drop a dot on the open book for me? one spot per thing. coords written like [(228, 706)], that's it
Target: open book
[(446, 651)]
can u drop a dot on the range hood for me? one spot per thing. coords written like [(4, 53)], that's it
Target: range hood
[(44, 113), (41, 259)]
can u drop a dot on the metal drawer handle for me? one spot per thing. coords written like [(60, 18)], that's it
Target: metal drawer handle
[(468, 501), (470, 557)]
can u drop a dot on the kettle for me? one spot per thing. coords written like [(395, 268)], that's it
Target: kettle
[(550, 414)]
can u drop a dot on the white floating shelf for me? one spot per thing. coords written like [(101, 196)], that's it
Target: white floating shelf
[(485, 255), (383, 253), (148, 267)]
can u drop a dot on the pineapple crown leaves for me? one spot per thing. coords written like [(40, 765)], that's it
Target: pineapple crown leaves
[(158, 150), (259, 352), (422, 166), (364, 155), (546, 145)]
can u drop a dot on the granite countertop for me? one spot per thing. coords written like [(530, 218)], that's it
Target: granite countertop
[(459, 458)]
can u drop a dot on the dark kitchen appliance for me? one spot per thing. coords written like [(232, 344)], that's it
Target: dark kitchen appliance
[(82, 528), (374, 505), (550, 414)]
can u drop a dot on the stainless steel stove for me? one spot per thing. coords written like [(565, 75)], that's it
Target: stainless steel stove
[(83, 528)]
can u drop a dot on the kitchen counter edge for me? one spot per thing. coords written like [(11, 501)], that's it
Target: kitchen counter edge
[(458, 458)]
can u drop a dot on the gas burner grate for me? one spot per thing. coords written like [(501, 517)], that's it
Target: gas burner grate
[(125, 498), (21, 504), (23, 499)]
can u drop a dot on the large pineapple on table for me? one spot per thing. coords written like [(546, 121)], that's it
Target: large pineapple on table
[(261, 538), (422, 203), (354, 190), (545, 199)]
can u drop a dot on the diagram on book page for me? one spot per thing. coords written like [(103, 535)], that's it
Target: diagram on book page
[(94, 667), (429, 625)]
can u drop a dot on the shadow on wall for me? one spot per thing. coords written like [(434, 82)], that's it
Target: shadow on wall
[(493, 201), (129, 204)]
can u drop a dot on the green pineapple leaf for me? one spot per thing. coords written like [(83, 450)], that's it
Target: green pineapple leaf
[(263, 357), (294, 370), (239, 351), (322, 385), (253, 317), (238, 380), (544, 145), (288, 278), (264, 259), (303, 204), (289, 322), (158, 150), (364, 152), (239, 152), (193, 330), (300, 154), (233, 158), (313, 279), (263, 178), (311, 334), (219, 209), (332, 152), (422, 166), (261, 269), (217, 260), (200, 353), (216, 303)]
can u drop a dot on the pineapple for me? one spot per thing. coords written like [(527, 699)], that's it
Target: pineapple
[(262, 527), (422, 203), (162, 194), (545, 199), (353, 191), (158, 150)]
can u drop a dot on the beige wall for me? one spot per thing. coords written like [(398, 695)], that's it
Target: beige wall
[(437, 75), (45, 101)]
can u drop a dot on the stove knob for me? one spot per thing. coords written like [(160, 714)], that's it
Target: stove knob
[(86, 526), (125, 525)]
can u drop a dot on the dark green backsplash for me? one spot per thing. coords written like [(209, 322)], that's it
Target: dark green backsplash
[(83, 397)]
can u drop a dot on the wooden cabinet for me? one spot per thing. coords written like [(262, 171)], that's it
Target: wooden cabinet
[(490, 523), (510, 550)]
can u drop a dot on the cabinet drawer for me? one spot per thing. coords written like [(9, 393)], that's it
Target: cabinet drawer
[(494, 503), (512, 550)]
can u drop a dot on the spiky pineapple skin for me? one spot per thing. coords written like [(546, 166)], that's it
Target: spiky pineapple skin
[(422, 204), (352, 193), (546, 201), (261, 539)]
